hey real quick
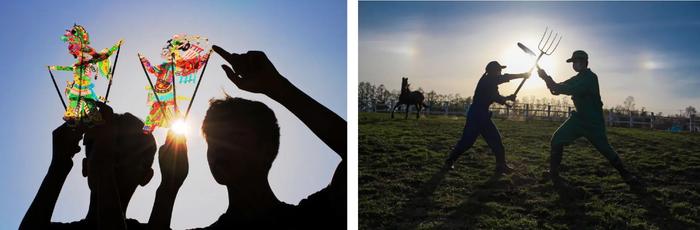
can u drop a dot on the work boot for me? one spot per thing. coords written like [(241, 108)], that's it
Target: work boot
[(632, 181), (556, 180), (449, 163), (502, 169)]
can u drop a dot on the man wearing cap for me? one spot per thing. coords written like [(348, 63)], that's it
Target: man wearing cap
[(479, 117), (586, 121)]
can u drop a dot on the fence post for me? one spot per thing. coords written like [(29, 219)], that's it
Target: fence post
[(507, 112), (651, 121), (549, 111), (447, 108), (527, 111), (466, 109), (690, 121), (569, 112), (630, 120), (391, 105)]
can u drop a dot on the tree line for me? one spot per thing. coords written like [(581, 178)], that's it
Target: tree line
[(371, 97)]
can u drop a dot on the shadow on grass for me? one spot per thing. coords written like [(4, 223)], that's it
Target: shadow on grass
[(658, 213), (486, 203), (572, 199), (418, 205), (501, 200)]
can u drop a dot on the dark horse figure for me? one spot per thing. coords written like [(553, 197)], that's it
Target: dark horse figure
[(409, 98)]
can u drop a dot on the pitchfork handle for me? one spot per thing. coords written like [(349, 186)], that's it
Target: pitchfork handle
[(530, 71)]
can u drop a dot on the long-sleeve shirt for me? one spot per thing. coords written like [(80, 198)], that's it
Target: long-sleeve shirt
[(585, 93), (486, 91)]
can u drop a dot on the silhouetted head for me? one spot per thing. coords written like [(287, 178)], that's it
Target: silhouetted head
[(494, 68), (184, 47), (135, 152), (404, 84), (579, 60), (242, 138)]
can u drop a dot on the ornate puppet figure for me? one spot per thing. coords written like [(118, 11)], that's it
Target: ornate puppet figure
[(186, 52), (88, 62)]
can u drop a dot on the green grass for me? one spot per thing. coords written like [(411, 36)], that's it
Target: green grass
[(402, 186)]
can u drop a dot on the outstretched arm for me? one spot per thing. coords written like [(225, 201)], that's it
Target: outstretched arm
[(148, 65), (65, 146), (203, 60), (502, 100), (569, 87), (255, 73), (104, 53), (508, 77), (61, 68), (174, 166)]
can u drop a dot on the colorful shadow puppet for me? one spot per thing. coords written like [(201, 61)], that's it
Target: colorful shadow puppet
[(80, 92), (185, 55)]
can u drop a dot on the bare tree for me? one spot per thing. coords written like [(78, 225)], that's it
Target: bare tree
[(383, 95), (690, 111), (629, 103), (366, 95), (431, 98)]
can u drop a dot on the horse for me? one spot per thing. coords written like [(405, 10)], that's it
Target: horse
[(409, 98)]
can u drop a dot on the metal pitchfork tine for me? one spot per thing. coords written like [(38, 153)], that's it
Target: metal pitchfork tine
[(545, 48)]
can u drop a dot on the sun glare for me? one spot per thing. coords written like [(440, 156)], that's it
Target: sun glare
[(519, 61), (180, 127)]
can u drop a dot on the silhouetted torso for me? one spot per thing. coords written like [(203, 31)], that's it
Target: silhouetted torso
[(319, 211), (486, 91), (585, 93)]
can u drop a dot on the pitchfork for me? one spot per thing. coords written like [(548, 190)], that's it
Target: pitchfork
[(545, 48)]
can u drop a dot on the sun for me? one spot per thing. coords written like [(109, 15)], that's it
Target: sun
[(519, 61), (180, 127)]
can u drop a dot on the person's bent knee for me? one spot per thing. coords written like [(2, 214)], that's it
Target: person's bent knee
[(556, 146), (557, 143), (499, 149)]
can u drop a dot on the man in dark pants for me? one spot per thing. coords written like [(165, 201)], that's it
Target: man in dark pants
[(479, 116), (586, 121)]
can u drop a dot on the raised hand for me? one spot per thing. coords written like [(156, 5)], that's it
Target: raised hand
[(172, 158), (511, 97), (252, 72), (541, 72), (174, 167), (65, 144)]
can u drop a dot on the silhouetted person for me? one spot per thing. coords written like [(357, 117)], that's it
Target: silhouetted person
[(479, 117), (243, 140), (120, 145), (586, 121)]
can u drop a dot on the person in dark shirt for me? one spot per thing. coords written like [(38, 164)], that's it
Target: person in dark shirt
[(120, 145), (586, 121), (243, 140), (479, 117)]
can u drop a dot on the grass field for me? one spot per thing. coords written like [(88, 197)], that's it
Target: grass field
[(402, 186)]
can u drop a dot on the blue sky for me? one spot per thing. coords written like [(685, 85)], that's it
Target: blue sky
[(305, 40), (648, 50)]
